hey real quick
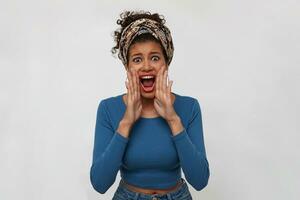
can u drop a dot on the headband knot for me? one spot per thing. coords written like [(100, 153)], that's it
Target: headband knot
[(142, 26)]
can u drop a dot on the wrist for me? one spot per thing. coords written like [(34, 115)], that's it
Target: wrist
[(175, 125), (124, 128), (173, 119), (125, 123)]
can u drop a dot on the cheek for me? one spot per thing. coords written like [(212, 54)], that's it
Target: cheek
[(158, 65), (134, 66), (162, 62)]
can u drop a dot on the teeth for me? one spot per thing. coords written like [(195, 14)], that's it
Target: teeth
[(147, 77)]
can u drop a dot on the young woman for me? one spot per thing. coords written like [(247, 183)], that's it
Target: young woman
[(149, 133)]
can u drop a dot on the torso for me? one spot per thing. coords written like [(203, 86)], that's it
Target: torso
[(151, 114)]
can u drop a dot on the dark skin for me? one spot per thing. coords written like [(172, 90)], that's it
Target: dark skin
[(147, 57)]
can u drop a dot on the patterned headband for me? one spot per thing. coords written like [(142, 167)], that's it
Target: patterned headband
[(141, 26)]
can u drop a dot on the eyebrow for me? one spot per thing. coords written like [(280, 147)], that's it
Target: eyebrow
[(152, 52)]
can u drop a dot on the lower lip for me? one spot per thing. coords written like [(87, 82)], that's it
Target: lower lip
[(147, 89)]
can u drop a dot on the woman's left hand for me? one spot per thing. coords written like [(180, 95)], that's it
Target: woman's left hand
[(163, 101)]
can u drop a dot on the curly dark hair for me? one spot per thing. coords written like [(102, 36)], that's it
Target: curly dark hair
[(127, 17)]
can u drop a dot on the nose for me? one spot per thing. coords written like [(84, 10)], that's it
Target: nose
[(147, 65)]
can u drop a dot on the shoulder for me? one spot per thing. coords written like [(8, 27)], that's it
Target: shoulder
[(110, 106), (188, 102), (188, 106), (110, 101)]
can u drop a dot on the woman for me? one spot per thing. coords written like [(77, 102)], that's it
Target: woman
[(150, 132)]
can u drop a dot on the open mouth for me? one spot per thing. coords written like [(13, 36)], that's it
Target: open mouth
[(147, 83)]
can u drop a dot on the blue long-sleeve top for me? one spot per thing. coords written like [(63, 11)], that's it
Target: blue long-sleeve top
[(151, 157)]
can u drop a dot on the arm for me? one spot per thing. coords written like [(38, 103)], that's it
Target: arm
[(191, 150), (109, 147)]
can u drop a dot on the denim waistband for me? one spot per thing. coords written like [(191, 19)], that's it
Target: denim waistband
[(169, 195)]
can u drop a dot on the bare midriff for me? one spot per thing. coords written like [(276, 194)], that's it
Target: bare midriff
[(152, 191)]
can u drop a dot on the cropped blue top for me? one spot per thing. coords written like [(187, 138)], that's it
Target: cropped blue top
[(151, 157)]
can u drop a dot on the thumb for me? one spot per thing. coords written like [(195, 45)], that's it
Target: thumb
[(170, 85)]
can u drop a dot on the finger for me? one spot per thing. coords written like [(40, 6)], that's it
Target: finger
[(135, 83), (129, 84), (157, 83), (132, 84), (168, 79), (138, 84), (170, 87), (126, 81), (161, 85), (165, 81), (156, 100), (158, 80)]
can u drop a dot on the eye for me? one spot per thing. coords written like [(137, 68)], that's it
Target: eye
[(136, 59), (155, 58)]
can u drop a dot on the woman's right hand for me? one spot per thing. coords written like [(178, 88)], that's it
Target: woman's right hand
[(134, 103)]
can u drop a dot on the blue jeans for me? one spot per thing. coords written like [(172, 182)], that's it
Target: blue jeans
[(181, 193)]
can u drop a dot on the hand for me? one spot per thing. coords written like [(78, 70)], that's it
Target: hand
[(134, 103), (163, 101)]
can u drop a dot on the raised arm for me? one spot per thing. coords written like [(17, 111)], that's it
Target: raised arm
[(109, 147), (191, 150)]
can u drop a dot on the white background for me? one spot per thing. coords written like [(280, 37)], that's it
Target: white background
[(240, 59)]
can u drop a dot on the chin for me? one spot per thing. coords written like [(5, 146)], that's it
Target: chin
[(150, 95)]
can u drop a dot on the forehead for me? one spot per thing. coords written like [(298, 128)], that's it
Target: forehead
[(145, 47)]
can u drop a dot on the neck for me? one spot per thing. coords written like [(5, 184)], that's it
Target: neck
[(148, 103)]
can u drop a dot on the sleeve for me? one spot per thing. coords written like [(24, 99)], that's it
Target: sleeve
[(191, 150), (109, 147)]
